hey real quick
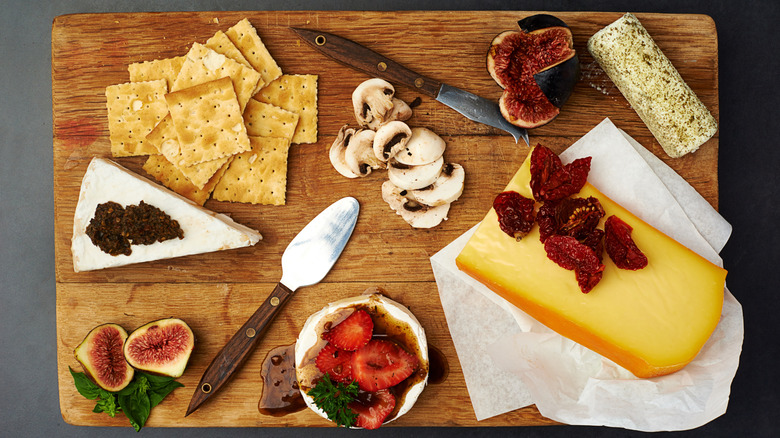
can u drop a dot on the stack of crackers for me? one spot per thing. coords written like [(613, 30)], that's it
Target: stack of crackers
[(217, 122)]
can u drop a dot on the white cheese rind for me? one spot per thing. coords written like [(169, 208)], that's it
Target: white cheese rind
[(309, 337), (204, 230)]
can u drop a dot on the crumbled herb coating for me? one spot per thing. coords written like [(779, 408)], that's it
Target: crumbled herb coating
[(114, 228)]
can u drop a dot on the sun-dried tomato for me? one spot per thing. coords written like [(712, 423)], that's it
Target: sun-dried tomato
[(551, 180), (515, 213), (545, 217), (570, 254), (621, 247)]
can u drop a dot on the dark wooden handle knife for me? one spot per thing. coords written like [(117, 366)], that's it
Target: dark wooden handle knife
[(354, 55)]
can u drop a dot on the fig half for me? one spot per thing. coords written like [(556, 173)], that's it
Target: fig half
[(160, 347), (537, 66), (100, 354)]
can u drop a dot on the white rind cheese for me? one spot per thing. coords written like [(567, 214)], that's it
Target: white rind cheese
[(312, 329), (204, 230), (654, 88)]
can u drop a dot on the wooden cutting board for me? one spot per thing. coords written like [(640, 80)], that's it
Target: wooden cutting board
[(217, 292)]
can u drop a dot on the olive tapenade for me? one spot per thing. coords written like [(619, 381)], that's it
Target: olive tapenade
[(114, 228)]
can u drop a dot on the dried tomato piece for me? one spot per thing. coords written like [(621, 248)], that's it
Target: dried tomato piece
[(551, 180), (570, 254), (546, 218), (621, 247), (576, 217), (515, 213)]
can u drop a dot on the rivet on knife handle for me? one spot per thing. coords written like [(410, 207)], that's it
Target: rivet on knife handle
[(239, 347)]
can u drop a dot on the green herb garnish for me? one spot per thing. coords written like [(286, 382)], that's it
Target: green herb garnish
[(333, 400), (136, 400)]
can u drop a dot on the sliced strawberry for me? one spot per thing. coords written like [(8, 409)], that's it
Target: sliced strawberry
[(337, 363), (381, 364), (372, 410), (352, 333)]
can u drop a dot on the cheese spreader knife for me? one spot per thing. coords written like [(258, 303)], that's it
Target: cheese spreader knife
[(346, 51), (306, 261)]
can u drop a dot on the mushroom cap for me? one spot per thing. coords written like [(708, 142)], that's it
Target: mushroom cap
[(415, 214), (372, 100), (446, 189), (359, 154), (338, 150), (423, 147), (390, 139), (401, 111), (414, 177)]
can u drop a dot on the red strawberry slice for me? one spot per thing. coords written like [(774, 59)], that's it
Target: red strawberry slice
[(372, 410), (337, 363), (352, 333), (381, 364)]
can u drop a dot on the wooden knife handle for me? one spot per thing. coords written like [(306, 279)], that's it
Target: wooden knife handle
[(368, 61), (239, 347)]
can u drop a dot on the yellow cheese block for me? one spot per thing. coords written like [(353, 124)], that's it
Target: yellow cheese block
[(652, 321)]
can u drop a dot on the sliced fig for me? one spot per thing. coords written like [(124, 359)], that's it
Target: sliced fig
[(537, 67), (100, 354), (160, 347)]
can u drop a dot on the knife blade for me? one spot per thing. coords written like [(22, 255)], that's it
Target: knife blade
[(305, 261), (354, 55)]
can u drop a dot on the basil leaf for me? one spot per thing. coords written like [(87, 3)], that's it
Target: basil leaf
[(107, 403), (84, 385), (136, 405), (156, 395)]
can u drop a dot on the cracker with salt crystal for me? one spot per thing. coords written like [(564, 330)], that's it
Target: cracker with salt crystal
[(296, 93), (220, 43), (164, 138), (167, 69), (266, 120), (203, 65), (245, 37), (258, 176), (170, 176), (208, 122), (134, 108)]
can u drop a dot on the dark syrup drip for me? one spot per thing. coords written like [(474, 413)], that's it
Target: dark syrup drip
[(281, 395), (438, 367)]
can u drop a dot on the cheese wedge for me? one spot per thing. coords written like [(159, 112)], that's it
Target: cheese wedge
[(204, 230), (652, 321)]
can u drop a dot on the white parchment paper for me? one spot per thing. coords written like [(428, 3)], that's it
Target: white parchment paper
[(510, 360)]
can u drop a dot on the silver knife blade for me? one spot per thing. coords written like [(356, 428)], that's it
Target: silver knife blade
[(478, 109), (366, 60), (311, 254)]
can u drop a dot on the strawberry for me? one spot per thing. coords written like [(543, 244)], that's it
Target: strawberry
[(372, 411), (381, 364), (352, 333), (337, 363)]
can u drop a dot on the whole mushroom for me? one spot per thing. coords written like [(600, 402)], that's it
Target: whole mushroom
[(372, 101)]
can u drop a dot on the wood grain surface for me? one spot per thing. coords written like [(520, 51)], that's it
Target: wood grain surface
[(217, 292)]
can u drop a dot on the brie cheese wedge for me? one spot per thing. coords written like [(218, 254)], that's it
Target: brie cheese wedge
[(204, 230)]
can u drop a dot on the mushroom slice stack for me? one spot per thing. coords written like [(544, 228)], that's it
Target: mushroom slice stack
[(338, 151), (415, 214)]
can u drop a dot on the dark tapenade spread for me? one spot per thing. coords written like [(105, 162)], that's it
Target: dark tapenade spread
[(114, 229)]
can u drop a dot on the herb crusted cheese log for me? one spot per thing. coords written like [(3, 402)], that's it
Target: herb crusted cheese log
[(648, 80)]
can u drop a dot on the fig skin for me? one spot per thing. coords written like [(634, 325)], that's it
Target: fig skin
[(161, 347), (105, 364), (532, 100)]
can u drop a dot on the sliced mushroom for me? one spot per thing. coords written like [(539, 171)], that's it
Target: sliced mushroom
[(423, 147), (359, 155), (390, 139), (338, 149), (401, 111), (415, 214), (414, 177), (372, 101), (446, 189)]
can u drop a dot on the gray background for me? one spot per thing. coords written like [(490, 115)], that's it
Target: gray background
[(749, 157)]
